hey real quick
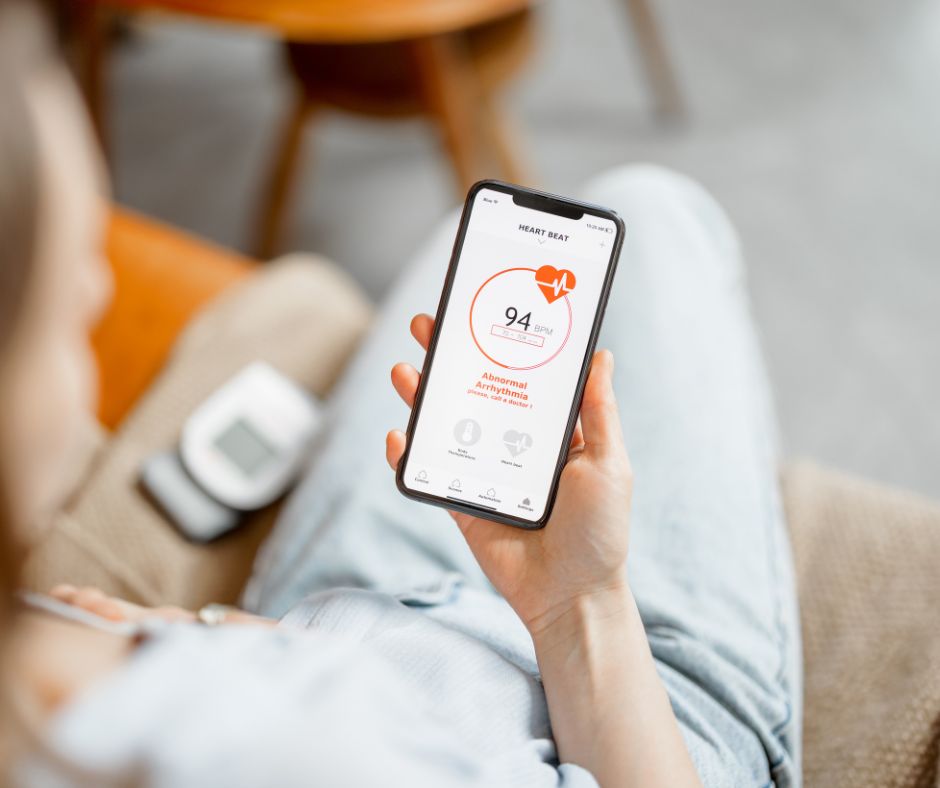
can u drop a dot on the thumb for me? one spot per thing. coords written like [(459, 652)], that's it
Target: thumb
[(600, 420)]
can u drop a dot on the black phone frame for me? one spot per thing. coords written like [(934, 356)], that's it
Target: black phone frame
[(548, 203)]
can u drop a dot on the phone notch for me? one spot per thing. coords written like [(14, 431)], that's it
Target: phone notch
[(541, 202)]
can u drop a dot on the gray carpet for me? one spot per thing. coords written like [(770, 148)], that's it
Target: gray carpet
[(815, 122)]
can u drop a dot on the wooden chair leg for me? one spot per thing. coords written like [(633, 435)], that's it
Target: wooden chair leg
[(281, 178), (659, 71), (450, 88)]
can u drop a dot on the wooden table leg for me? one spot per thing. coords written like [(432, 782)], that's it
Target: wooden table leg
[(659, 71), (504, 140), (281, 176), (452, 93)]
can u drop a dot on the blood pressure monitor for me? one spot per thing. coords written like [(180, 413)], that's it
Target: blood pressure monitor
[(239, 451)]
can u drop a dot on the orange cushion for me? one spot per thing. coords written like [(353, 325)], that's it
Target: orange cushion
[(162, 277)]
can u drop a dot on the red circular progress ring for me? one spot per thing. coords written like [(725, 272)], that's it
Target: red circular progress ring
[(506, 366)]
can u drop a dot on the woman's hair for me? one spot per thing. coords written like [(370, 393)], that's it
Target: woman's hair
[(23, 48), (27, 28)]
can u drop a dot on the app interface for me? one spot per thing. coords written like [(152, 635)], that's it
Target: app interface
[(510, 351)]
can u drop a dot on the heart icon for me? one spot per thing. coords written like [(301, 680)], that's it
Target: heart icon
[(517, 442), (554, 283)]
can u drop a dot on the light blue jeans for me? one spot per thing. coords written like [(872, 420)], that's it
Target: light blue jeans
[(709, 560)]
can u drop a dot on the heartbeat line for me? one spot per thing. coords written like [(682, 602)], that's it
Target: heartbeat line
[(557, 285)]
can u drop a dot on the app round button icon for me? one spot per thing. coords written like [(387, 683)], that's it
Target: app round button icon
[(467, 432)]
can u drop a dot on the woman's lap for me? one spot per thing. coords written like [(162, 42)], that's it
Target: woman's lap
[(710, 560), (709, 564)]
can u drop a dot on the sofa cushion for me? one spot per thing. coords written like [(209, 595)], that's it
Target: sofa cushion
[(302, 315), (868, 570)]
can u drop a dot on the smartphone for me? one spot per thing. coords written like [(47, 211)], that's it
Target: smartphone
[(515, 331)]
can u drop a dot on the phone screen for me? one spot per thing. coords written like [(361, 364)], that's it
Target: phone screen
[(517, 326)]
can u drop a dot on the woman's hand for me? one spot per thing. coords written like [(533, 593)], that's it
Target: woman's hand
[(568, 582), (581, 554), (112, 608)]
